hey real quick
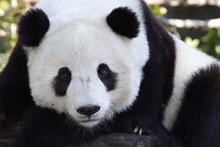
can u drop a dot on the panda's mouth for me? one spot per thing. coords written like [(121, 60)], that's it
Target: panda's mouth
[(88, 120)]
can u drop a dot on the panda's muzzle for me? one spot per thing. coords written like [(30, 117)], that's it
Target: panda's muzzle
[(88, 110)]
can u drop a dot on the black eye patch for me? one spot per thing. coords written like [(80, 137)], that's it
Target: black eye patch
[(108, 77), (62, 81)]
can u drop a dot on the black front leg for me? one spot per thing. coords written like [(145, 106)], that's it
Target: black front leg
[(46, 128)]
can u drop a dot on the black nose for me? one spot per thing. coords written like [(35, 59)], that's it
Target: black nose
[(88, 110)]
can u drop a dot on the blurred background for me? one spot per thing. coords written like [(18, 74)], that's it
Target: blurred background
[(197, 22)]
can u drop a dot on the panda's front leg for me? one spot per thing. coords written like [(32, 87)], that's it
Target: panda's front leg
[(46, 128), (41, 128)]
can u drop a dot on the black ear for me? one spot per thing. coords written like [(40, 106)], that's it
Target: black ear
[(124, 21), (32, 27)]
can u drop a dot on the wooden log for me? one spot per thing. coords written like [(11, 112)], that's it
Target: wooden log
[(122, 140), (7, 135)]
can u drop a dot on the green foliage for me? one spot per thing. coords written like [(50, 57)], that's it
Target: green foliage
[(192, 42), (210, 43), (9, 16), (158, 10)]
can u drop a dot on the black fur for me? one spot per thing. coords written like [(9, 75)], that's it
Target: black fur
[(32, 27), (157, 85), (51, 130), (62, 81), (198, 122), (14, 84), (124, 21)]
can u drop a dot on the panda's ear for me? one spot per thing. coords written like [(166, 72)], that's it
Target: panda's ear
[(32, 27), (124, 22)]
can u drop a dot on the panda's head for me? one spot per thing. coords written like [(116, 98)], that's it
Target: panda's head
[(86, 66)]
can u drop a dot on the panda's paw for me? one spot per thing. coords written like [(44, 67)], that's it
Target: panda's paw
[(147, 131), (140, 127), (152, 129), (139, 131)]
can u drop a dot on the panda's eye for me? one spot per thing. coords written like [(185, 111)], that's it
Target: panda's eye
[(62, 81), (108, 77), (64, 74), (103, 71)]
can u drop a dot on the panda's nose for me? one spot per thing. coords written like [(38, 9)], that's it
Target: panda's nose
[(88, 110)]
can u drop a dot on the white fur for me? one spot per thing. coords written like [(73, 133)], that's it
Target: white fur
[(80, 39), (188, 62)]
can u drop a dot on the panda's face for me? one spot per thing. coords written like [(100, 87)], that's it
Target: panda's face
[(78, 72), (86, 71)]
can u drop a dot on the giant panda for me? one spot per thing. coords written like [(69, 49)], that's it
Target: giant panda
[(84, 69)]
